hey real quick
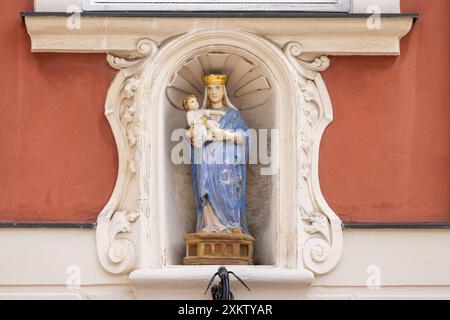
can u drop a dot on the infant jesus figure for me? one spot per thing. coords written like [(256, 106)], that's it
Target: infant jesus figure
[(203, 124)]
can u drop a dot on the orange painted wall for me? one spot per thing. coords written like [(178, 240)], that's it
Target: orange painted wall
[(58, 160), (385, 157)]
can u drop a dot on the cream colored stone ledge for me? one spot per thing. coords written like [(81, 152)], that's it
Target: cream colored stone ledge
[(173, 282), (344, 35)]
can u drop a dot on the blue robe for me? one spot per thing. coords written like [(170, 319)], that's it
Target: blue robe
[(219, 175)]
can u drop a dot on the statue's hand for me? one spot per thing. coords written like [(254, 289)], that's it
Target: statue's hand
[(219, 136), (190, 134), (239, 138)]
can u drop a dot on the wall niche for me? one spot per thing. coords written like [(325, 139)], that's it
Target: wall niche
[(250, 89), (142, 228)]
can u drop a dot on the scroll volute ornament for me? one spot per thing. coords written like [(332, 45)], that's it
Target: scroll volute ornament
[(322, 230), (115, 224)]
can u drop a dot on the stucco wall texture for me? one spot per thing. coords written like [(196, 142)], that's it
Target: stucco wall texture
[(386, 156)]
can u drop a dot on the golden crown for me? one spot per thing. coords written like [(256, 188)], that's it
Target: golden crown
[(214, 79)]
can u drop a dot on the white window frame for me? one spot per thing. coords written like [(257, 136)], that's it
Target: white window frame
[(221, 5)]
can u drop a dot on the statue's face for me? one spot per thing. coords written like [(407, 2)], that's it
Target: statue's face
[(192, 104), (215, 93)]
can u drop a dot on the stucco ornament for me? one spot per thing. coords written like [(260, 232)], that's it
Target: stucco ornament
[(115, 223), (322, 242), (308, 236)]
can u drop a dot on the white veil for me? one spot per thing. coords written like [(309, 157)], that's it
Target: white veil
[(226, 99)]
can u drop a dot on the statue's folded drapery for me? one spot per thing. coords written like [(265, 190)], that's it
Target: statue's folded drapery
[(219, 175)]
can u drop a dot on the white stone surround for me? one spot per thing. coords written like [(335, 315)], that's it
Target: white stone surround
[(306, 234)]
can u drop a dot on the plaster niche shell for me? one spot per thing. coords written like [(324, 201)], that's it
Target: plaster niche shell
[(306, 237), (247, 86)]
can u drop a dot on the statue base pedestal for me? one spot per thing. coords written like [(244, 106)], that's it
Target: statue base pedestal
[(224, 248)]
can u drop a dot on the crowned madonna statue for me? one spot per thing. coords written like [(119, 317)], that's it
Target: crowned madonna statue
[(219, 146)]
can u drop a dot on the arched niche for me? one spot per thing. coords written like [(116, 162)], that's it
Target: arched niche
[(252, 92), (179, 68), (151, 208)]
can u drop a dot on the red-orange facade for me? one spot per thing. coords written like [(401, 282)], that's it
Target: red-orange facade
[(385, 158)]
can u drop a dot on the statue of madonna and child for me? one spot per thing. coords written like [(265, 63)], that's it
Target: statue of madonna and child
[(219, 154)]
